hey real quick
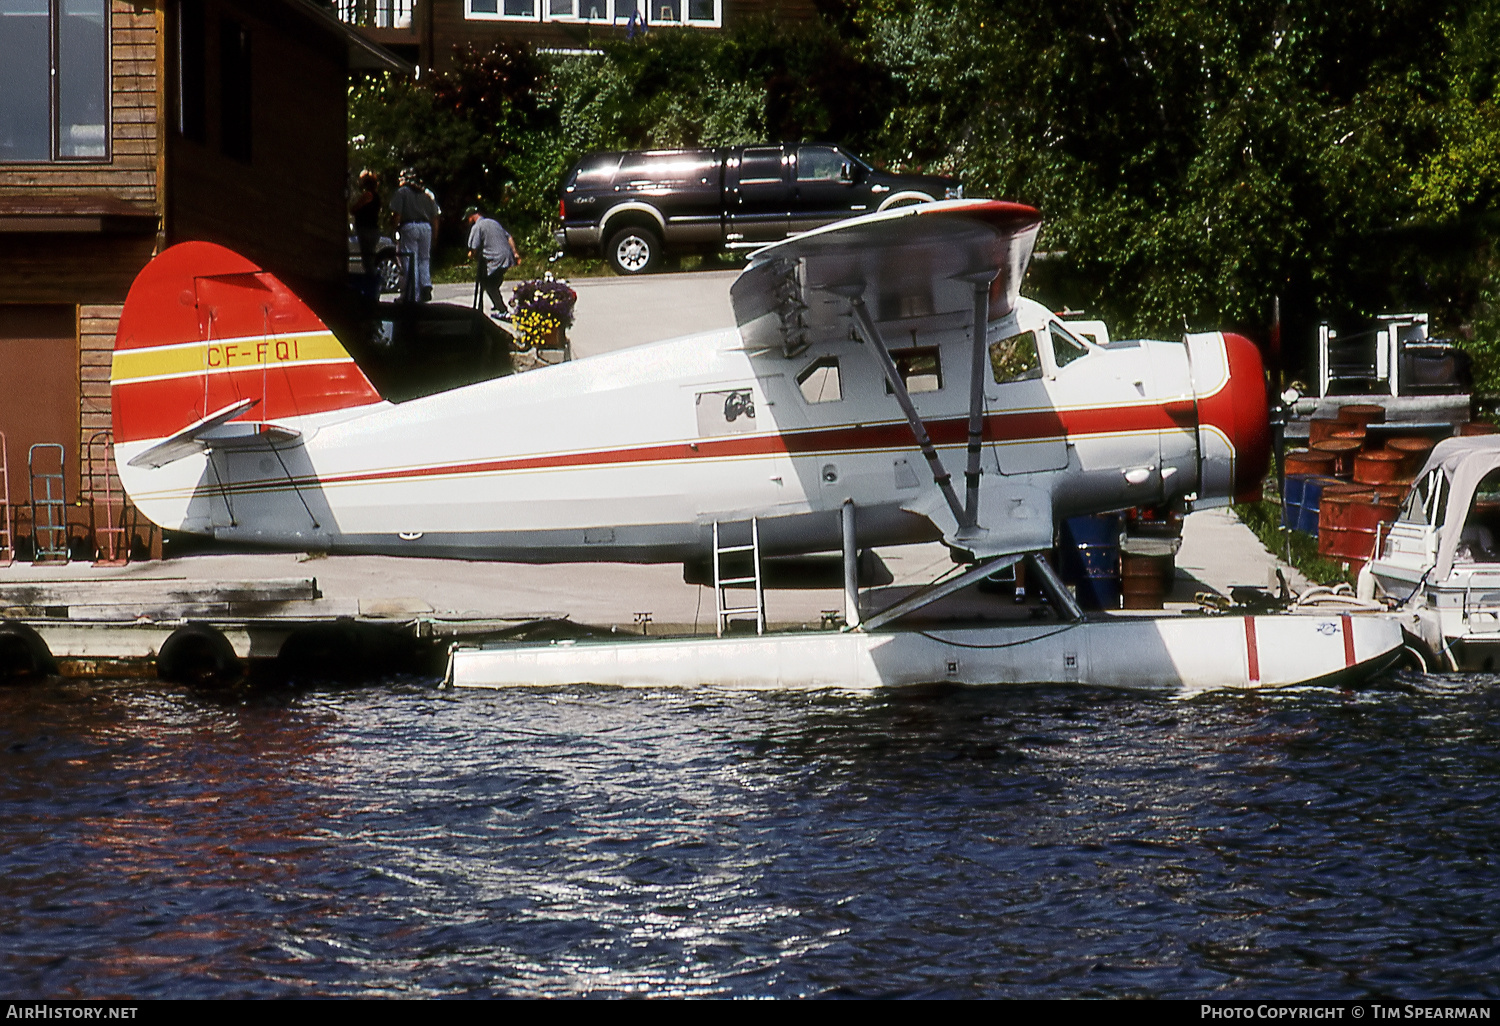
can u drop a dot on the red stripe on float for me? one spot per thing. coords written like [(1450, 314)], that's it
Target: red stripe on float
[(1252, 654), (1348, 641)]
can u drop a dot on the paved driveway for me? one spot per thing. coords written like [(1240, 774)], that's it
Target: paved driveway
[(616, 313)]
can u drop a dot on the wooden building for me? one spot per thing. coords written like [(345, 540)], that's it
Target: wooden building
[(127, 126), (427, 31)]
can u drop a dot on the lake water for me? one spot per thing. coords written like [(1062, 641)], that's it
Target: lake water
[(1039, 842)]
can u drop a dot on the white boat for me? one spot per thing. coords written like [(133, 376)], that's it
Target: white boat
[(1439, 563)]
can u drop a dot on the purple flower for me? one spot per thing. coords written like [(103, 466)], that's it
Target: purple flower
[(545, 295)]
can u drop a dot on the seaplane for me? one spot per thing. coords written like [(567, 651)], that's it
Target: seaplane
[(886, 383)]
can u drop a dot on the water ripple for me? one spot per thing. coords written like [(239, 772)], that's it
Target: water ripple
[(399, 840)]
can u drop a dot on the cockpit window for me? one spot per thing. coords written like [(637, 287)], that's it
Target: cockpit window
[(1065, 348), (1015, 358), (820, 382)]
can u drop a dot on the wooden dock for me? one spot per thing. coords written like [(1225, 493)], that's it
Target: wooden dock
[(215, 632)]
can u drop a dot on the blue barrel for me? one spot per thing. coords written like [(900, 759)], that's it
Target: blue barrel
[(1291, 499), (1091, 559), (1312, 502)]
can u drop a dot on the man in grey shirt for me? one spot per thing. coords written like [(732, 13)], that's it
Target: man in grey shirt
[(496, 251)]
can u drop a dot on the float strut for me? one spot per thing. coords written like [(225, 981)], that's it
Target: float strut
[(851, 565)]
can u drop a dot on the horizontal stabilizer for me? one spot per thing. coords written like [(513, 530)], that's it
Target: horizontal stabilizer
[(215, 431)]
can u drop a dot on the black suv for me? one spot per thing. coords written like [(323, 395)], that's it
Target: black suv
[(642, 204)]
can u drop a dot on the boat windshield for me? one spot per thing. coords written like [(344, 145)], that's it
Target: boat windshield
[(1428, 501), (1482, 525)]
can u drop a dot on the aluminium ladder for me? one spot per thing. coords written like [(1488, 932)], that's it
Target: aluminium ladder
[(723, 609)]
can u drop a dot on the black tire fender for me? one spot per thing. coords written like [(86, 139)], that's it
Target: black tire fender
[(23, 654), (198, 655)]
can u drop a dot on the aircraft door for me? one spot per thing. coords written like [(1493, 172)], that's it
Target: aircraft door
[(762, 201), (1026, 434)]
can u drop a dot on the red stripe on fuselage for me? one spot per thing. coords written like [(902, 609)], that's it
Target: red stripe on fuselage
[(999, 428)]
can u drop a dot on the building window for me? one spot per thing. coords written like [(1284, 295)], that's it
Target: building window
[(386, 14), (685, 12), (706, 13), (54, 80), (503, 10), (234, 89)]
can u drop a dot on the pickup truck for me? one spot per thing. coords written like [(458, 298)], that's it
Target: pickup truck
[(640, 205)]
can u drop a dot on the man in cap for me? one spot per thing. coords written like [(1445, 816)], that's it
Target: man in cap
[(496, 252), (415, 213)]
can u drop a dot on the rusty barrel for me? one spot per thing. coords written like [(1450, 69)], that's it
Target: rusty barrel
[(1364, 525), (1146, 578), (1362, 414), (1308, 461), (1413, 450), (1379, 467), (1333, 518), (1396, 491), (1358, 434), (1343, 451), (1320, 428)]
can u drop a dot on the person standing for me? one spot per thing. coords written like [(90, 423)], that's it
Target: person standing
[(415, 213), (365, 211), (495, 249)]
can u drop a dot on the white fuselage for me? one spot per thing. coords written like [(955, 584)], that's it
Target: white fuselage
[(634, 455)]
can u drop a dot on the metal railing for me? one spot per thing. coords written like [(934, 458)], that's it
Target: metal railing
[(375, 13)]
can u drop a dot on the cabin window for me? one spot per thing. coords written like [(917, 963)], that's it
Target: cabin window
[(820, 382), (1065, 348), (54, 80), (920, 369), (1015, 358), (234, 90)]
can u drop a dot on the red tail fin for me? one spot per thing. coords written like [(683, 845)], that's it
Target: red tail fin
[(203, 328)]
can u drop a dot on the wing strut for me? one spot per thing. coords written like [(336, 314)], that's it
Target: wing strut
[(940, 476), (981, 284)]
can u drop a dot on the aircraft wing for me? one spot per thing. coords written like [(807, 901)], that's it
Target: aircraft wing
[(911, 264)]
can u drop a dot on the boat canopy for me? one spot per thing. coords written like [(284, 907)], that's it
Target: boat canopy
[(1464, 462)]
